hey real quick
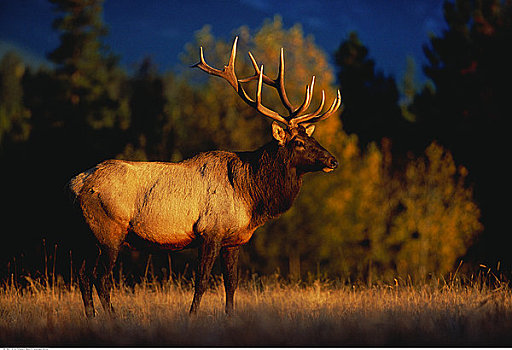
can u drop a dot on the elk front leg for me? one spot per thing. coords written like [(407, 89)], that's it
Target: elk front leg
[(208, 252), (230, 272)]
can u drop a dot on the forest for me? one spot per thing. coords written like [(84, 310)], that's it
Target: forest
[(421, 167)]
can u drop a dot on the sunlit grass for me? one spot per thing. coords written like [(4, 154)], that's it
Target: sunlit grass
[(269, 312)]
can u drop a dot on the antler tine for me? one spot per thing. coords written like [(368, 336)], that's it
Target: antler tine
[(261, 108), (277, 83), (334, 107), (307, 100), (227, 73), (280, 81), (321, 106), (313, 117), (306, 117), (256, 76), (319, 109)]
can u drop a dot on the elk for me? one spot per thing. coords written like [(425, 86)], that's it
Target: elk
[(214, 201)]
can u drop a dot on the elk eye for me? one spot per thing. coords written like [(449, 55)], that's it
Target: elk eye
[(299, 143)]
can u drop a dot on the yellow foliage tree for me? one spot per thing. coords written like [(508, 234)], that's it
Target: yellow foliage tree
[(439, 217)]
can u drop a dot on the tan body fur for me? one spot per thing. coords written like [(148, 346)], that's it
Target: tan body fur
[(169, 204)]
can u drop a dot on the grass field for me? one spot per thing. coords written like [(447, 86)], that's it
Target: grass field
[(268, 313)]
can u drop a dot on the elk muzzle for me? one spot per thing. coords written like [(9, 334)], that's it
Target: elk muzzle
[(330, 164)]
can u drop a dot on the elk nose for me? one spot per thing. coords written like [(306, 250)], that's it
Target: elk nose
[(331, 164)]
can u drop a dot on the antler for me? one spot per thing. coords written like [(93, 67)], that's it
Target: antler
[(295, 116)]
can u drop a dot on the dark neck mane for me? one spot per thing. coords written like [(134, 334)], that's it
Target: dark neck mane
[(266, 180)]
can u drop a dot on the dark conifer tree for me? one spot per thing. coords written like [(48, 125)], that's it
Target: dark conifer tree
[(148, 129), (469, 65), (371, 98), (91, 103)]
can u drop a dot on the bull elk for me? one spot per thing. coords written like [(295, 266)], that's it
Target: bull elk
[(214, 201)]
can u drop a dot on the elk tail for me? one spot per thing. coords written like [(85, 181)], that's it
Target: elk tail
[(75, 185)]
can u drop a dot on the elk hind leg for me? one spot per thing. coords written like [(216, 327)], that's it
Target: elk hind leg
[(103, 278), (85, 281)]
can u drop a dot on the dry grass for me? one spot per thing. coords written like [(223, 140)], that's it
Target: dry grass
[(267, 314)]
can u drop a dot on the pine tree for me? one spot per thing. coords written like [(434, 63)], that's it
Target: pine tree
[(371, 98), (87, 70), (149, 128)]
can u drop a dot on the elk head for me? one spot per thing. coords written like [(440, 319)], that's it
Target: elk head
[(306, 154)]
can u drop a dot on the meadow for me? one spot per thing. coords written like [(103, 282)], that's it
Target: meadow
[(269, 312)]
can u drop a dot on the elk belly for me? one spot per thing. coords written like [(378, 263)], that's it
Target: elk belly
[(166, 230), (167, 218)]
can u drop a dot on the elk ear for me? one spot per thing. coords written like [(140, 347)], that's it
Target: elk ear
[(278, 133), (310, 129)]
